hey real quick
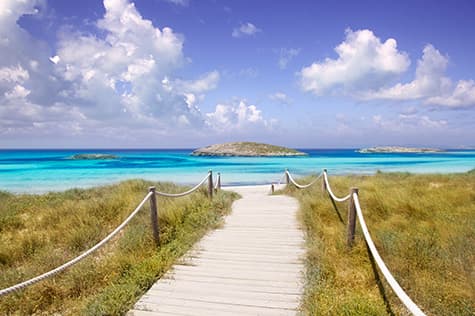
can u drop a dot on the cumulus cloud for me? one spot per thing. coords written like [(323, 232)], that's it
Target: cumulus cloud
[(131, 70), (27, 80), (119, 86), (430, 85), (123, 79), (18, 92), (463, 95), (286, 55), (245, 29), (429, 79), (14, 74), (364, 61), (229, 117), (366, 68)]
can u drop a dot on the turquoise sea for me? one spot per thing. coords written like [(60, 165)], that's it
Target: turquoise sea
[(38, 171)]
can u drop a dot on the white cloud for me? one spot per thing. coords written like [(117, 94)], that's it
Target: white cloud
[(428, 122), (363, 62), (14, 74), (429, 79), (131, 69), (121, 82), (205, 83), (25, 72), (286, 55), (18, 92), (430, 85), (463, 95), (246, 29), (280, 97), (190, 99), (229, 117), (365, 68)]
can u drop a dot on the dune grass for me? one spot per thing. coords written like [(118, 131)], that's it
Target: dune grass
[(424, 229), (41, 232)]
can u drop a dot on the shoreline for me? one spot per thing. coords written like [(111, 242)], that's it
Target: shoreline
[(46, 171)]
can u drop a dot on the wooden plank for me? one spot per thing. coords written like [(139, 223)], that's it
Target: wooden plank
[(181, 307), (185, 292), (217, 299), (233, 286)]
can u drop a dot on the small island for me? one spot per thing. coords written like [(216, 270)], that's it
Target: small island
[(398, 149), (247, 149), (93, 157)]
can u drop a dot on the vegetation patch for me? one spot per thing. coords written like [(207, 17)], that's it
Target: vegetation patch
[(40, 232), (246, 149), (424, 232)]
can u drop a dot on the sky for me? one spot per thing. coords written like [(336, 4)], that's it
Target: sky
[(189, 73)]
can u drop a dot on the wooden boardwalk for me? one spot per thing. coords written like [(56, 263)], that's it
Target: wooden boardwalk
[(253, 265)]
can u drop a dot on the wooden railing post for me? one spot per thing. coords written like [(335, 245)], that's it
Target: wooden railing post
[(154, 216), (351, 218), (218, 184), (210, 184), (287, 178), (324, 184)]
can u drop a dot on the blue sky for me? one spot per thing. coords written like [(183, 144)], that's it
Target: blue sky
[(186, 73)]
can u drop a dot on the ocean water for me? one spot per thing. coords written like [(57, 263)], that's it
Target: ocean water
[(38, 171)]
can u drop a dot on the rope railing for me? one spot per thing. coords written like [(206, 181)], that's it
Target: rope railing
[(193, 189), (154, 218), (301, 186), (329, 189), (71, 262), (405, 299), (354, 208)]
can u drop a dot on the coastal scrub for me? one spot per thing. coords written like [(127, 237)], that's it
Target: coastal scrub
[(422, 225), (41, 232)]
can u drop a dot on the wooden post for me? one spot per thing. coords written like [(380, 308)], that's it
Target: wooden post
[(154, 216), (210, 184), (218, 184), (287, 178), (324, 184), (272, 189), (351, 218)]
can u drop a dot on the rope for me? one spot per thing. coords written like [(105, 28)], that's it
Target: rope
[(329, 189), (196, 187), (300, 186), (78, 258), (405, 299)]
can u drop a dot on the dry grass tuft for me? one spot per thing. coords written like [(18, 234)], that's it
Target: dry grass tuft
[(41, 232), (423, 227)]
